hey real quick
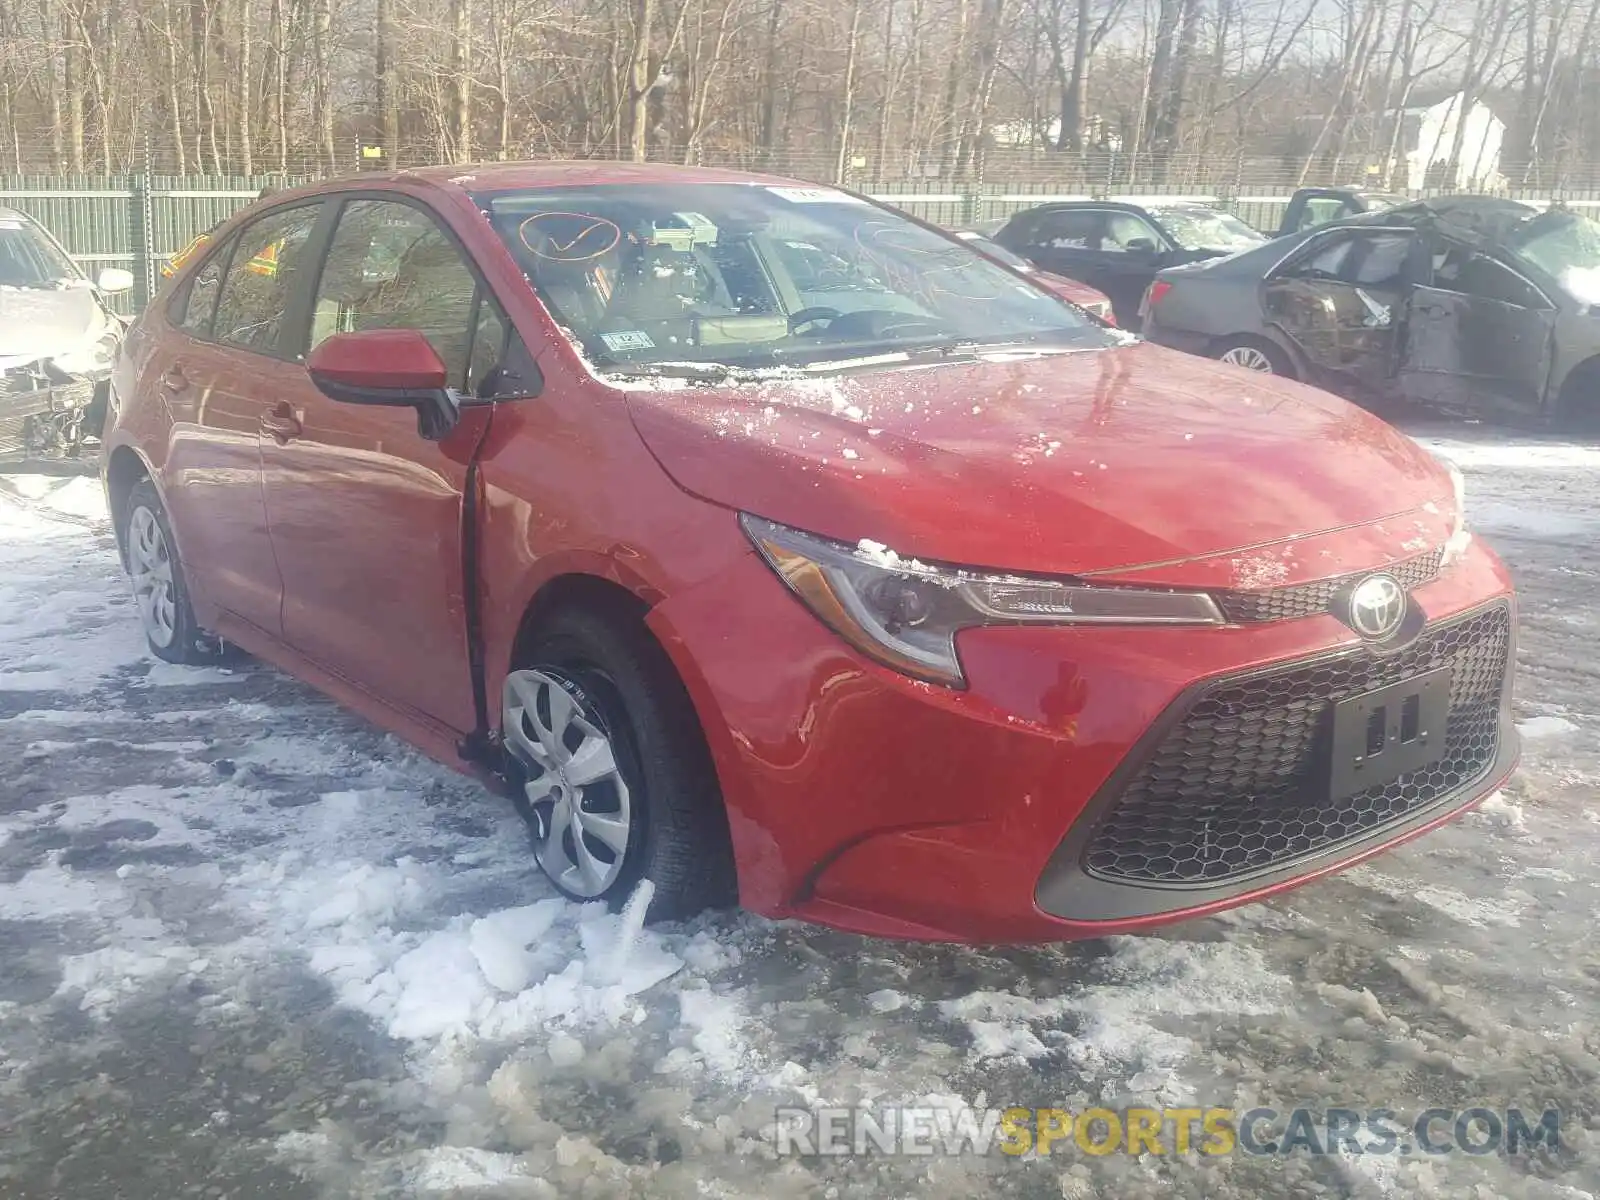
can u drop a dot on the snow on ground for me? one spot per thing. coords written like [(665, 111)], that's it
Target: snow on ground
[(253, 947)]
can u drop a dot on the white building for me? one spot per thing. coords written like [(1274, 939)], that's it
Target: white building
[(1428, 133)]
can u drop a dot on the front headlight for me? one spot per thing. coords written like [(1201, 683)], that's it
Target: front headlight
[(93, 359), (906, 614), (1460, 538)]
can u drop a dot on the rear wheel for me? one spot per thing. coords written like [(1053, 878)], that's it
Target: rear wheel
[(613, 776), (159, 587), (1254, 354)]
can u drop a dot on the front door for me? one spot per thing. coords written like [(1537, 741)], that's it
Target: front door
[(1341, 300), (1480, 338), (219, 371), (366, 514)]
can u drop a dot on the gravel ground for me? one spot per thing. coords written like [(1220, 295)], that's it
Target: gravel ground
[(252, 947)]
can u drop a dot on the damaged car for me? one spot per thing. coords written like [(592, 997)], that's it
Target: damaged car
[(58, 339), (1490, 308)]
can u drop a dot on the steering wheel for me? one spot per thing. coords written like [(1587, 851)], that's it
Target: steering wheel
[(810, 316)]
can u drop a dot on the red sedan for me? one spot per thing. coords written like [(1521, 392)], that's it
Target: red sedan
[(1085, 297), (766, 545)]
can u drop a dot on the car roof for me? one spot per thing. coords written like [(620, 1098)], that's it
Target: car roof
[(508, 176)]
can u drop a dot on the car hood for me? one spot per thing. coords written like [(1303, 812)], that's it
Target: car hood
[(1071, 289), (40, 323), (1078, 463)]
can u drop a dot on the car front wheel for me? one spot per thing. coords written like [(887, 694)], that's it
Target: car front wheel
[(611, 769)]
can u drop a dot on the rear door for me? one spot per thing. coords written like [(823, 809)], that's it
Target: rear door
[(1479, 337), (219, 370), (1064, 241), (366, 514), (1341, 300)]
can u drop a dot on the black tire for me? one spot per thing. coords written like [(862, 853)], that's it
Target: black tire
[(1281, 364), (189, 645), (678, 835), (1578, 408)]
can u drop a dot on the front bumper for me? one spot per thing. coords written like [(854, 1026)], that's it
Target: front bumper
[(863, 800), (43, 411)]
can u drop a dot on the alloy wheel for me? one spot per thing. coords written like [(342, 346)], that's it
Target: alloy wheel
[(1251, 358), (150, 564), (581, 807)]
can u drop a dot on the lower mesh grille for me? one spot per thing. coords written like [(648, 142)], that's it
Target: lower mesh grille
[(1240, 784)]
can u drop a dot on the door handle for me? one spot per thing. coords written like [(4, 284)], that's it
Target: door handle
[(174, 380), (281, 424)]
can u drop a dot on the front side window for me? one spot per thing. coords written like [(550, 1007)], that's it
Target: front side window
[(745, 276), (1207, 229), (1473, 274), (1320, 211), (390, 266), (1125, 232), (268, 255), (29, 259)]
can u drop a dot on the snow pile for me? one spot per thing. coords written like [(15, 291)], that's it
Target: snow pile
[(1128, 1025)]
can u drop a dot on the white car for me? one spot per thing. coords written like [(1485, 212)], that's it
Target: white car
[(58, 339)]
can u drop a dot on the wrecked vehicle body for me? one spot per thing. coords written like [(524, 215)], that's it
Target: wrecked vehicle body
[(1491, 308), (58, 339)]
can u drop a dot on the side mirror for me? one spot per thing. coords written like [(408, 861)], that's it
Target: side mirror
[(394, 368), (114, 279), (1140, 246)]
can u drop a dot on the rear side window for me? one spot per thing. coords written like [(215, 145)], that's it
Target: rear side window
[(1073, 230), (390, 266), (1364, 259), (267, 257), (200, 304)]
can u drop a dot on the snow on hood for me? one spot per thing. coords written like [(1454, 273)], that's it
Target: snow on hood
[(1066, 464), (40, 323)]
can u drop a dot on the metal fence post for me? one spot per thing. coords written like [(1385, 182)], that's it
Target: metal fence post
[(139, 231)]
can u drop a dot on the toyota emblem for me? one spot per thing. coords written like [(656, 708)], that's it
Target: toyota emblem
[(1377, 606)]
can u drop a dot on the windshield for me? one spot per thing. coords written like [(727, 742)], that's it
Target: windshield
[(747, 276), (28, 259), (1207, 229), (997, 252), (1567, 248)]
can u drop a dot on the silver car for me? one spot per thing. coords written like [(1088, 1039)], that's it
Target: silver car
[(58, 338), (1473, 305)]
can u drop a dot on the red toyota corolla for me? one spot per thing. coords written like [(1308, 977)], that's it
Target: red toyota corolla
[(770, 545)]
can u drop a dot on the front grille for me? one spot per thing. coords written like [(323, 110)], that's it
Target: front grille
[(37, 407), (1240, 783), (1308, 599)]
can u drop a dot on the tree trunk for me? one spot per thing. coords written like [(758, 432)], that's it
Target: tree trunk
[(246, 39), (639, 78), (461, 78), (769, 80), (852, 56)]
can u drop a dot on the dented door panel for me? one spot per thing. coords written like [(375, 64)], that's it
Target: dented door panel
[(1475, 353), (1347, 333)]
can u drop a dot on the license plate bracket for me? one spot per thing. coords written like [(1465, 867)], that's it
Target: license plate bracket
[(1391, 731)]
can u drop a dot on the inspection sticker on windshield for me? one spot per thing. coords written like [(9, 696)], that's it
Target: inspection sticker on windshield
[(632, 339), (813, 195)]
